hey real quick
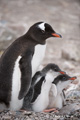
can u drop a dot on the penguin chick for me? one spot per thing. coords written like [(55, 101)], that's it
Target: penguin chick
[(36, 84), (19, 63), (52, 69), (42, 100), (61, 82)]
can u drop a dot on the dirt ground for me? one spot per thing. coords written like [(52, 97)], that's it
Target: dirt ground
[(16, 16)]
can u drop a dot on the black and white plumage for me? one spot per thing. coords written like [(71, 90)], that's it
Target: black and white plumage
[(39, 77), (61, 82), (42, 100), (47, 90), (19, 63), (50, 72), (31, 95)]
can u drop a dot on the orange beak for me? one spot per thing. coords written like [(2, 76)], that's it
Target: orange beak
[(56, 35), (62, 72), (73, 78)]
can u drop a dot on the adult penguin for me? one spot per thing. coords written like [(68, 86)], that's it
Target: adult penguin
[(18, 61)]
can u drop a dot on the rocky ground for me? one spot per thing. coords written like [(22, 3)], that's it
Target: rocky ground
[(16, 16)]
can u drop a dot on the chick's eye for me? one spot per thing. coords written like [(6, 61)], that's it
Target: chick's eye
[(55, 69), (64, 78)]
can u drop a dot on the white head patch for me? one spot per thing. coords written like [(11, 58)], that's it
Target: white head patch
[(42, 26)]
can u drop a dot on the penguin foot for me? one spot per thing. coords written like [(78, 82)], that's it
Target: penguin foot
[(22, 110), (51, 110)]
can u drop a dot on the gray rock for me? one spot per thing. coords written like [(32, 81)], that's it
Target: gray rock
[(69, 108)]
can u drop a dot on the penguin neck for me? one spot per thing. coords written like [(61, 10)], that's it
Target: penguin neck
[(32, 41)]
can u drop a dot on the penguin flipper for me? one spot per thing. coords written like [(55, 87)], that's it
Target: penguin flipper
[(26, 73), (35, 78), (27, 99)]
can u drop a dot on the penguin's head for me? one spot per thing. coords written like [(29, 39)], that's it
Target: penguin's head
[(52, 69), (41, 31), (62, 81)]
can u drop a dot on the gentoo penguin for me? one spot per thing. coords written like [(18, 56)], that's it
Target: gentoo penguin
[(36, 89), (61, 82), (18, 61), (51, 95), (40, 76), (42, 100)]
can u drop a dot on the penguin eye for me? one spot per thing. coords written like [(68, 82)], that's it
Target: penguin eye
[(64, 78), (55, 69)]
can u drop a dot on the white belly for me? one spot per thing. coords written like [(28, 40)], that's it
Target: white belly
[(58, 102), (15, 103), (42, 100), (52, 96), (38, 57)]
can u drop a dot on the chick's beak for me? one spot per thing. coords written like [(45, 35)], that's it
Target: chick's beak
[(56, 35), (73, 78), (62, 72)]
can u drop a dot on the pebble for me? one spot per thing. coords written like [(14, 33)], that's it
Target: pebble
[(47, 116), (29, 119), (6, 117)]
